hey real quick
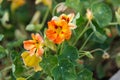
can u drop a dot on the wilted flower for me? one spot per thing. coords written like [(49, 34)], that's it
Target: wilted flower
[(89, 15), (31, 61), (59, 28), (16, 4), (105, 56), (108, 32), (34, 46)]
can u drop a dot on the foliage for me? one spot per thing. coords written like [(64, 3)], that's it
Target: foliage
[(70, 39)]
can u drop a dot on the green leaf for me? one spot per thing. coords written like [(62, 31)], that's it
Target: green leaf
[(2, 52), (33, 27), (48, 63), (74, 4), (117, 14), (118, 29), (64, 71), (85, 74), (30, 27), (116, 3), (17, 68), (1, 37), (69, 52), (100, 71), (48, 78), (102, 14), (99, 35)]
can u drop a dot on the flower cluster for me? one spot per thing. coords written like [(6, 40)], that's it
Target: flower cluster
[(59, 29), (34, 52)]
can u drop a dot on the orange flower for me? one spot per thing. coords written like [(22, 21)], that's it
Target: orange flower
[(34, 46), (58, 31), (59, 28)]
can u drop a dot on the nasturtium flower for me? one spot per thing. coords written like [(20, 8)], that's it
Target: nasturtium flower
[(34, 46), (68, 18), (59, 28), (16, 4), (32, 61)]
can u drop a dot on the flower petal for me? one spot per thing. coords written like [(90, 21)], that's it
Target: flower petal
[(38, 37), (72, 26), (71, 16), (68, 34), (51, 24), (29, 44), (31, 61), (32, 51), (60, 38), (37, 68), (55, 18), (39, 52), (51, 34)]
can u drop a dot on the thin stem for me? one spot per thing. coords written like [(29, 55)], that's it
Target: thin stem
[(44, 19), (6, 68), (61, 47), (97, 50), (53, 13), (114, 23), (85, 29), (86, 41), (82, 56), (29, 76)]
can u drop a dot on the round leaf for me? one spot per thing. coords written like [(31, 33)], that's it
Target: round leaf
[(102, 14)]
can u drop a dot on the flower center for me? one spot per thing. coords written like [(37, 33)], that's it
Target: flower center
[(58, 29)]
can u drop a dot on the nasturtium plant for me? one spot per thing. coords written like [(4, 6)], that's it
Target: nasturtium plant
[(59, 39)]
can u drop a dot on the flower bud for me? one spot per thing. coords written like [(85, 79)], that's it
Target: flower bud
[(89, 15)]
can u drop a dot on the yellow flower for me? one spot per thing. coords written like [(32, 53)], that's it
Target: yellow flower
[(31, 61), (16, 4), (45, 2), (1, 1)]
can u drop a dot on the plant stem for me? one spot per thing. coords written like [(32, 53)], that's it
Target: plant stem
[(6, 68), (44, 19), (97, 50), (61, 47), (86, 41), (81, 56), (53, 12), (29, 76), (113, 23), (85, 29)]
